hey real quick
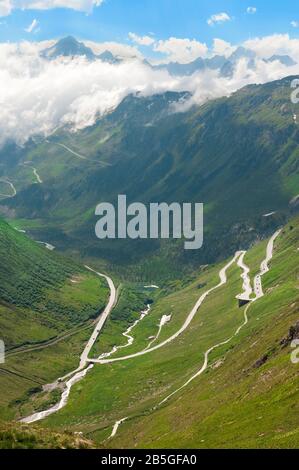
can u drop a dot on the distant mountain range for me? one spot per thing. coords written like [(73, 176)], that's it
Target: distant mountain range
[(70, 47), (226, 66)]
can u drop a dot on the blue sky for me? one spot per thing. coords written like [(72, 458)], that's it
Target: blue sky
[(114, 19), (76, 92)]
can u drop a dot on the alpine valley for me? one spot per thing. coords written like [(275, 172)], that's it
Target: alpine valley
[(123, 343)]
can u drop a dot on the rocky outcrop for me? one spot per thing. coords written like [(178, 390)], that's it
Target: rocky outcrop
[(260, 362), (293, 334)]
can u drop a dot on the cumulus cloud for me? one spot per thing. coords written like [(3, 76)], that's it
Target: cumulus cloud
[(37, 96), (6, 6), (251, 10), (116, 48), (218, 18), (33, 26), (141, 40), (276, 44), (221, 47), (181, 50), (295, 24), (209, 85)]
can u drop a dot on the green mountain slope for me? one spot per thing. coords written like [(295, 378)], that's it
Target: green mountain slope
[(48, 305), (238, 155), (17, 436), (57, 292), (247, 396)]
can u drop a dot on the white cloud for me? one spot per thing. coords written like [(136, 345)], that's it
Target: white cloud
[(221, 47), (6, 6), (181, 50), (116, 48), (295, 24), (209, 85), (276, 44), (37, 96), (251, 10), (218, 18), (141, 40), (32, 26)]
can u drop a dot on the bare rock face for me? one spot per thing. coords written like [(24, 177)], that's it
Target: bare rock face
[(293, 334), (285, 342), (260, 362)]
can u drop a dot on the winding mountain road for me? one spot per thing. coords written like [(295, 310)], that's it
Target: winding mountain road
[(102, 319), (79, 155), (87, 364), (44, 345), (258, 288), (206, 359), (73, 152), (82, 370), (245, 295), (247, 291), (223, 280), (14, 191), (37, 176)]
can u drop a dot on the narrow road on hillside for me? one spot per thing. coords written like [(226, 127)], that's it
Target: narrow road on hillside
[(82, 157), (223, 280), (258, 288), (37, 176), (102, 319), (246, 292), (73, 152), (247, 289), (44, 345), (14, 191), (99, 326), (82, 370)]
